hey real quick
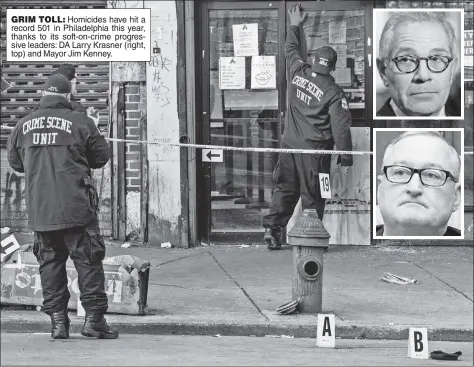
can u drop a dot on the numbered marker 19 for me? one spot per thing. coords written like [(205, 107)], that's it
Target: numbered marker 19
[(325, 185)]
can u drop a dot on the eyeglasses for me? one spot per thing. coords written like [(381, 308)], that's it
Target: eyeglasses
[(436, 64), (428, 176)]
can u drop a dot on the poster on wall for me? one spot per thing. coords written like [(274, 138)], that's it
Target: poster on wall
[(232, 72), (359, 65), (314, 40), (337, 31), (343, 76), (468, 56), (245, 39), (341, 51), (263, 72)]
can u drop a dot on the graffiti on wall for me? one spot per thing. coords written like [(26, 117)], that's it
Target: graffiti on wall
[(13, 192), (159, 64), (125, 4)]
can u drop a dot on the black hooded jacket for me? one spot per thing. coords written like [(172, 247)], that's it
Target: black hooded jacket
[(56, 147)]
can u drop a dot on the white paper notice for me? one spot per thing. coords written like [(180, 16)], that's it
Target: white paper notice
[(341, 51), (337, 31), (263, 72), (343, 76), (245, 39), (359, 65), (314, 40), (232, 73)]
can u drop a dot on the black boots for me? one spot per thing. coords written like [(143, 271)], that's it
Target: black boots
[(95, 326), (272, 238), (60, 325)]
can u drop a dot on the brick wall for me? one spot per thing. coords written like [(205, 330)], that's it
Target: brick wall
[(134, 107)]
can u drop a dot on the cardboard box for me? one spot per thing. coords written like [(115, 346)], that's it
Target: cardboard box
[(21, 285)]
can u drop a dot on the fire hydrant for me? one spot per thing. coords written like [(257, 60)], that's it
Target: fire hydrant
[(309, 238)]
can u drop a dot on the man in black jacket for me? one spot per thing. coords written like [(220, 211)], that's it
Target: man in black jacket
[(69, 71), (318, 117), (56, 147)]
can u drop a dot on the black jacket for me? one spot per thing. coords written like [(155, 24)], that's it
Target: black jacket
[(76, 106), (387, 111), (56, 148), (450, 231), (318, 111)]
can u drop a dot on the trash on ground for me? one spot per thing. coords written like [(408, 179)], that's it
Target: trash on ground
[(396, 279), (128, 262), (9, 246), (287, 336), (440, 355), (126, 245), (288, 308), (243, 246), (217, 335), (166, 245), (5, 230)]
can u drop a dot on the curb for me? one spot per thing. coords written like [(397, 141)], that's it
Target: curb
[(236, 329)]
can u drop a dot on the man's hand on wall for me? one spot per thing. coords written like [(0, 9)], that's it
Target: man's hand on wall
[(296, 16)]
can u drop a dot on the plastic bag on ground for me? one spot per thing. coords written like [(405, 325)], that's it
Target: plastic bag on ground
[(129, 262)]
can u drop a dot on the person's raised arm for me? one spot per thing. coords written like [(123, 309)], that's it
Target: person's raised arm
[(294, 59)]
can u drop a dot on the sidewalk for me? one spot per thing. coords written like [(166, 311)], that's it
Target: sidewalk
[(229, 290)]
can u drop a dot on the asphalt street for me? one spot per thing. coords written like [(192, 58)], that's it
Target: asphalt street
[(179, 350)]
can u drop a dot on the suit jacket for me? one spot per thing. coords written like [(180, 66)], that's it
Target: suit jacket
[(450, 231), (387, 111)]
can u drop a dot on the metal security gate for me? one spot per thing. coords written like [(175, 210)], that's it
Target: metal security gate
[(27, 80)]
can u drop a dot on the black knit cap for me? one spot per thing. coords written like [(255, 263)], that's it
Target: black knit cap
[(68, 70), (58, 83)]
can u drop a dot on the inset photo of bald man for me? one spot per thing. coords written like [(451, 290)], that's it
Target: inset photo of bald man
[(418, 64), (417, 184)]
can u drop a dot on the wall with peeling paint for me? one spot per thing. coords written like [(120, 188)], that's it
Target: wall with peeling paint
[(164, 211), (133, 214)]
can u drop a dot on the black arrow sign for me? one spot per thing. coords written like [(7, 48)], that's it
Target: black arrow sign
[(210, 155)]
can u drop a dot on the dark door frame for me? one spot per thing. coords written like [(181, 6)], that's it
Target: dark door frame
[(202, 126)]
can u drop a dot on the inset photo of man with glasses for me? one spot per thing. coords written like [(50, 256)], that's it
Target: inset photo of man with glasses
[(418, 64), (418, 184)]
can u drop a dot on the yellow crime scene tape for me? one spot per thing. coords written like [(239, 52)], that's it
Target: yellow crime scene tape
[(224, 147)]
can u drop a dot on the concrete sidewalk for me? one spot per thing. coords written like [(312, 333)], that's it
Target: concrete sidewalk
[(229, 290)]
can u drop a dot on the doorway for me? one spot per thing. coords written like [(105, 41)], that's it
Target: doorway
[(242, 87)]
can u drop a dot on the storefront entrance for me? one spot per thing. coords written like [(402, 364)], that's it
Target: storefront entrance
[(242, 102)]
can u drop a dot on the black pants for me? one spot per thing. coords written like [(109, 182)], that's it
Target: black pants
[(296, 175), (86, 247)]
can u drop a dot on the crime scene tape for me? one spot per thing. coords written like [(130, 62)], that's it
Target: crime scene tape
[(223, 147)]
